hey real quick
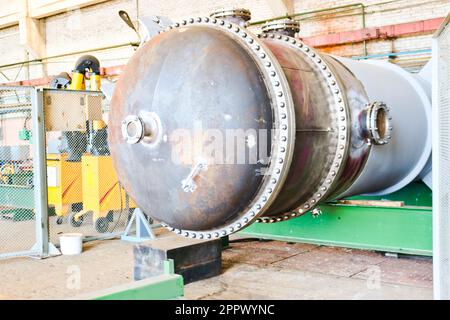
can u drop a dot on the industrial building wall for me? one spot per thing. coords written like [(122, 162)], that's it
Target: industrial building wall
[(96, 25)]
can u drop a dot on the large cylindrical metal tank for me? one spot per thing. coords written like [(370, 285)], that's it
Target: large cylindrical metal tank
[(212, 128)]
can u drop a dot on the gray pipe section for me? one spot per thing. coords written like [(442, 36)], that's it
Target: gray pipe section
[(408, 155)]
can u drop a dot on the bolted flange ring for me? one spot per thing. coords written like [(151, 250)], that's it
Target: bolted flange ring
[(132, 129), (379, 124)]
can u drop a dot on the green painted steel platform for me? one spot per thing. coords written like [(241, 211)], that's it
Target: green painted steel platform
[(406, 229)]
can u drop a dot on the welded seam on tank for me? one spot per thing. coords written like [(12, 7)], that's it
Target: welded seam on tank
[(343, 127)]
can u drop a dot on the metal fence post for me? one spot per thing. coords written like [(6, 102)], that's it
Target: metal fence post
[(441, 162), (42, 247)]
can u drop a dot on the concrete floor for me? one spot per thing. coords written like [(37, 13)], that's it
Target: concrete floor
[(20, 235), (251, 270), (278, 270)]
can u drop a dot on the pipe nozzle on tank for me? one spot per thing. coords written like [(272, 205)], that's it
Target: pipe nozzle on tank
[(378, 123), (287, 27), (145, 128), (239, 16)]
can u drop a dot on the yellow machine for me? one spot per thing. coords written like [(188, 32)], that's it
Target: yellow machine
[(91, 180), (64, 184), (102, 193), (83, 64), (6, 170)]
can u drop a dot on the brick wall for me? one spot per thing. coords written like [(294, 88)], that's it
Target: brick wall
[(99, 26)]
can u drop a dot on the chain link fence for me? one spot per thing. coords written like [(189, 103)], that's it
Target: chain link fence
[(84, 193), (60, 135), (17, 218)]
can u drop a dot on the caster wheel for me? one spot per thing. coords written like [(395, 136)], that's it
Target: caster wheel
[(149, 219), (59, 220), (77, 207), (101, 224), (73, 222), (110, 216)]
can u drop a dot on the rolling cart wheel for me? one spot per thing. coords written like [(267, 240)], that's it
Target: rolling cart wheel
[(101, 224), (110, 216), (59, 220), (73, 222), (149, 219), (77, 207)]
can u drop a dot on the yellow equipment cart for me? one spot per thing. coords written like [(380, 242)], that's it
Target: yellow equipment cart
[(92, 182), (64, 184), (102, 192)]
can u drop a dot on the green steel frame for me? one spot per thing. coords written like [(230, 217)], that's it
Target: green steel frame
[(166, 286), (406, 229)]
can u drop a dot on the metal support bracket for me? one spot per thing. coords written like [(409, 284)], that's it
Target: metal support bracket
[(148, 26), (51, 252), (151, 26), (143, 230)]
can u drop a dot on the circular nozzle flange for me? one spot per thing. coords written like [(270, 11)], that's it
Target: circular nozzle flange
[(146, 128), (286, 27), (379, 125), (238, 15), (132, 129)]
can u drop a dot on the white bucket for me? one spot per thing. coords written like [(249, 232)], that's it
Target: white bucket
[(71, 243)]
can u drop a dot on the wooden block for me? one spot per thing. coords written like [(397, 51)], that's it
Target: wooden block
[(193, 259), (373, 203)]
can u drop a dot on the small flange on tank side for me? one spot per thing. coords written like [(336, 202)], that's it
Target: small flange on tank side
[(186, 62), (331, 145)]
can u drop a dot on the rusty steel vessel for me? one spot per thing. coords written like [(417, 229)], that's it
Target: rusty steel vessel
[(316, 127)]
